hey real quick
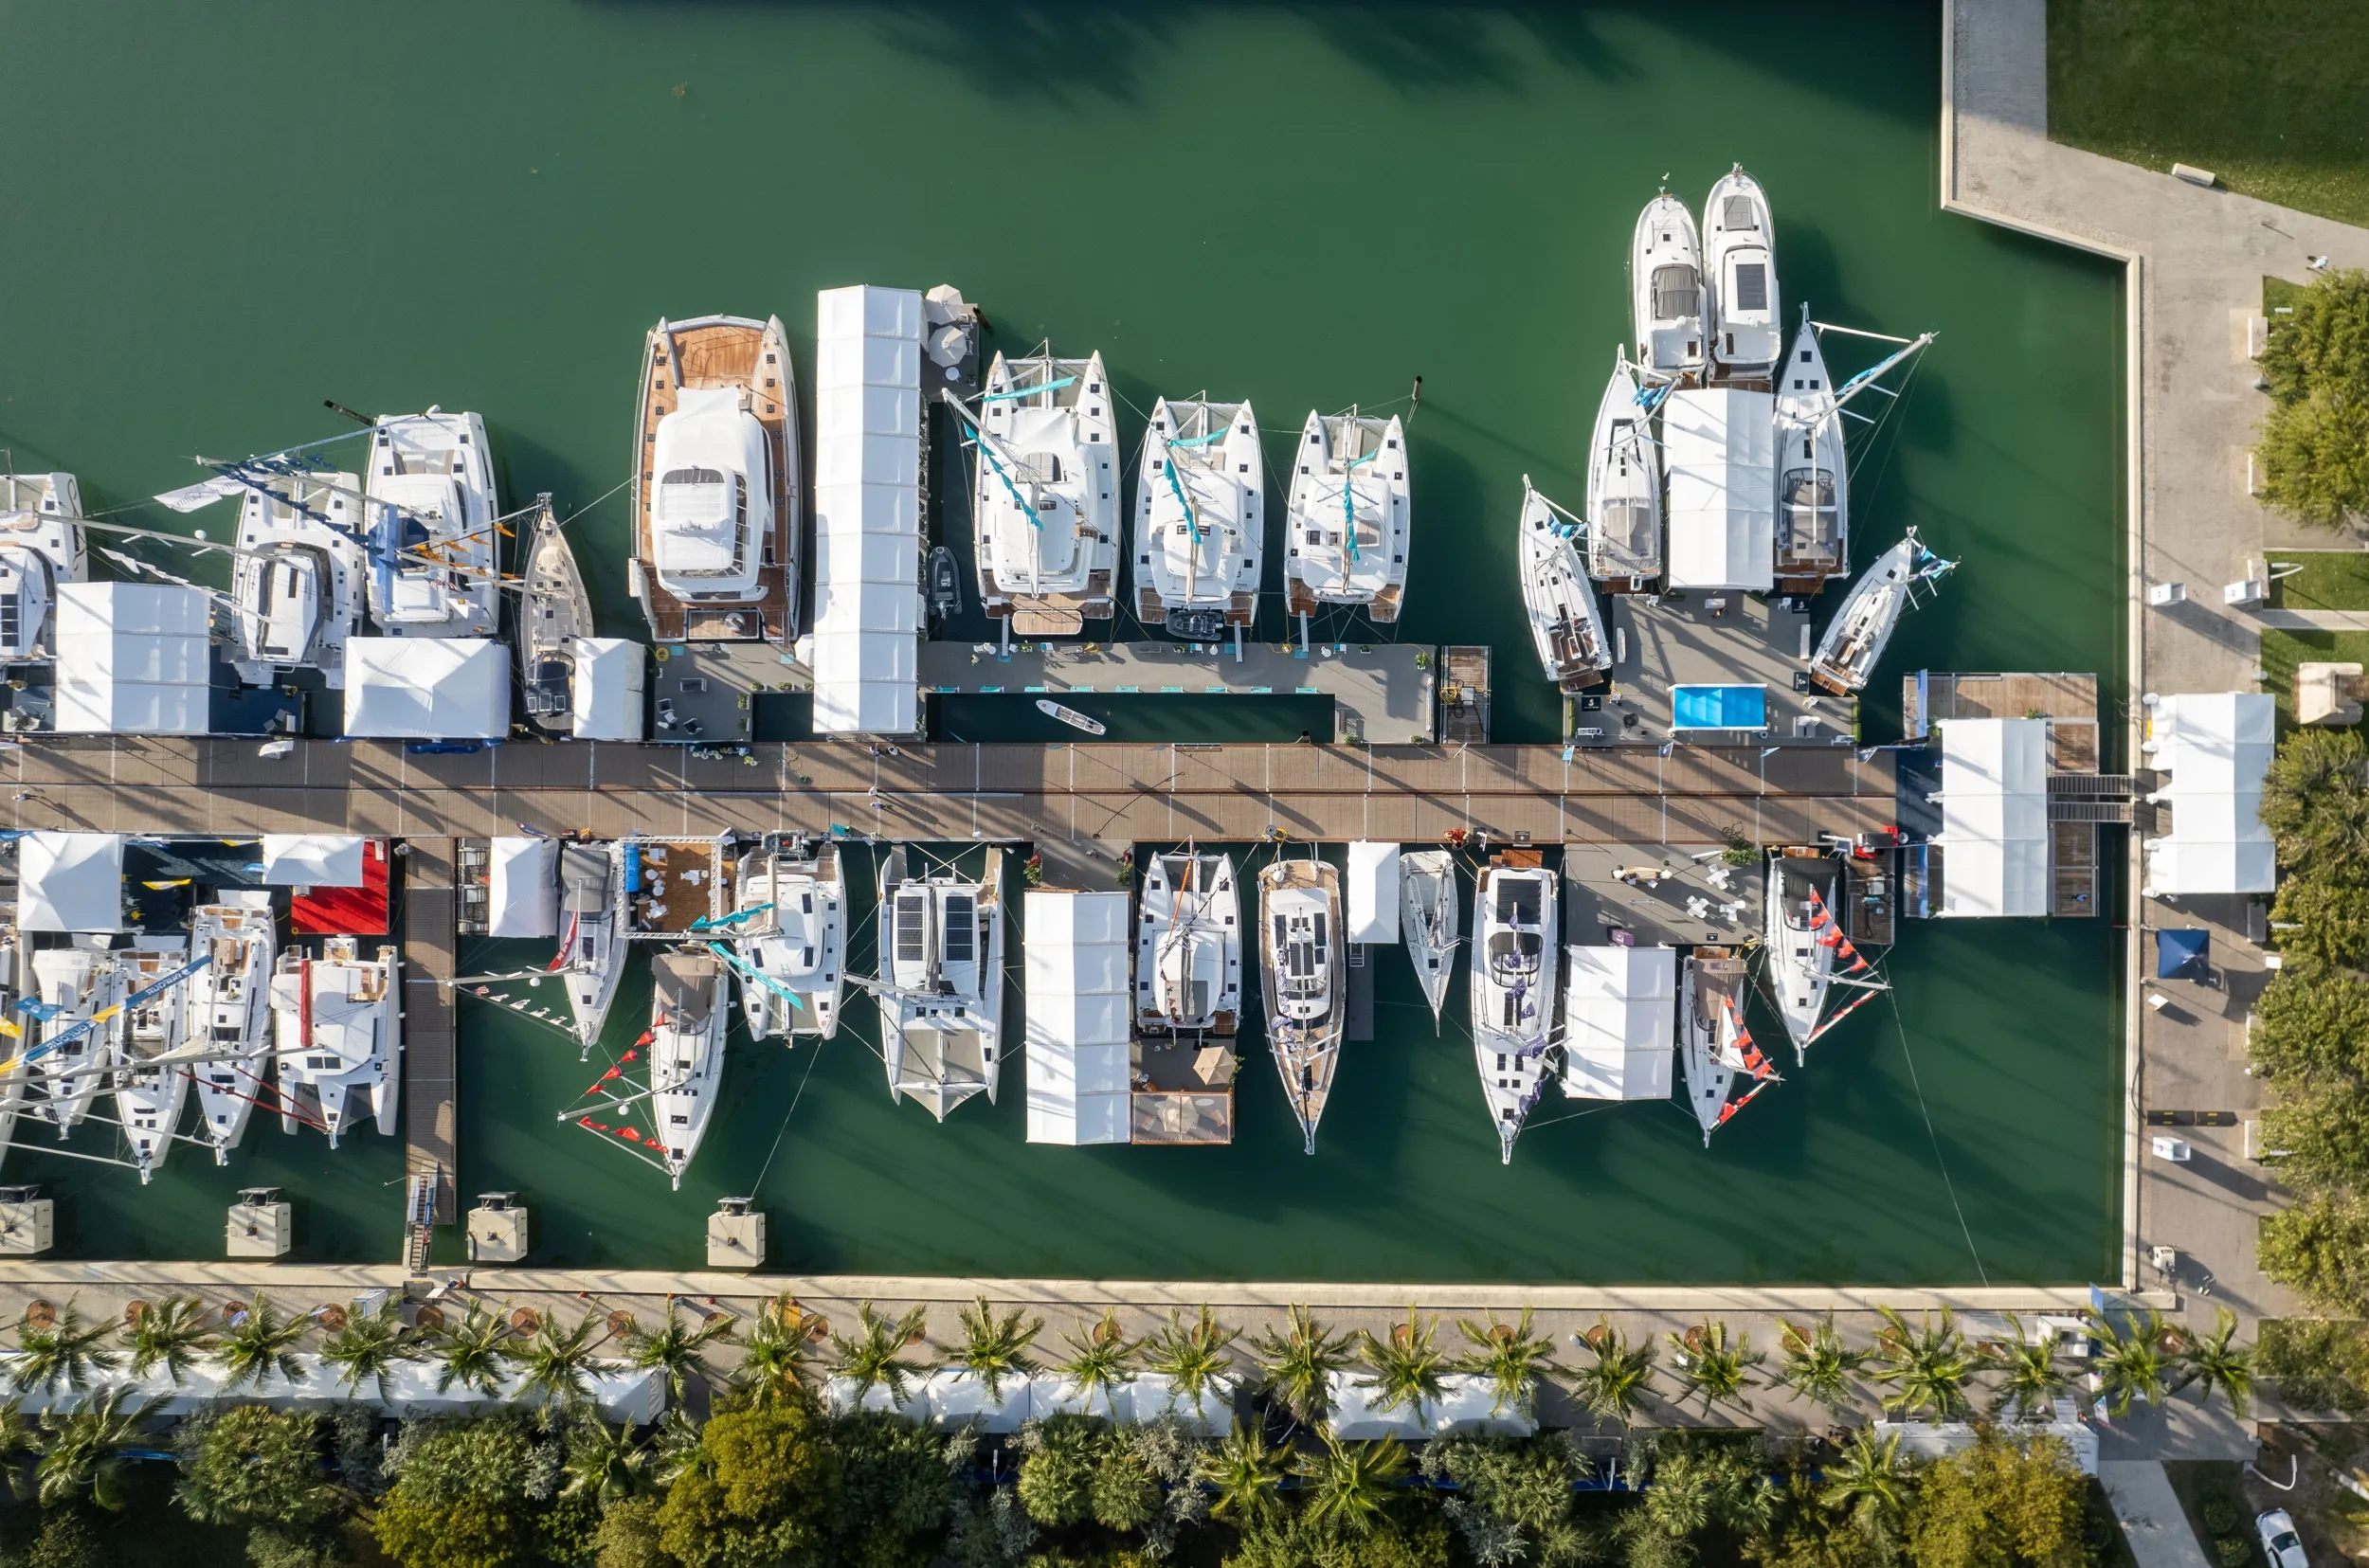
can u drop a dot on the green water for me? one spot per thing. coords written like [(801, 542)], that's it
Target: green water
[(226, 215)]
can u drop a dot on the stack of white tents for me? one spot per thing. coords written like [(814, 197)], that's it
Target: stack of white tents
[(1620, 1022), (1994, 832), (1077, 966), (2216, 748)]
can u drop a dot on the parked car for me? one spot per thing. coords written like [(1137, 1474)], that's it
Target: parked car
[(2280, 1542)]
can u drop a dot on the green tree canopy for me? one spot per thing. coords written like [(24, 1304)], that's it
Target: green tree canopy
[(2325, 342), (467, 1493), (2314, 442), (1999, 1504), (252, 1465), (2320, 1248), (2312, 1020), (759, 1491)]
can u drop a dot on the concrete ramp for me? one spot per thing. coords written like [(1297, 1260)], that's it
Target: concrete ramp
[(2140, 1495)]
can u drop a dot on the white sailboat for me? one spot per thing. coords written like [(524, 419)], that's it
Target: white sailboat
[(592, 941), (433, 541), (337, 1036), (1046, 497), (1189, 947), (1801, 936), (553, 611), (1714, 1048), (1666, 289), (941, 989), (75, 984), (1429, 919), (227, 1010), (1565, 626), (1303, 978), (1516, 955), (1624, 488), (149, 1098), (1740, 241), (1856, 638), (1346, 522), (793, 940), (296, 580), (688, 1008), (1200, 519), (1813, 476), (41, 547)]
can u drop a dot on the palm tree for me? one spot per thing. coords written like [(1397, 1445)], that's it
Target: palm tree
[(258, 1345), (1818, 1364), (773, 1358), (997, 1348), (2216, 1360), (1870, 1484), (1712, 1368), (86, 1453), (1513, 1356), (1298, 1363), (1928, 1367), (476, 1355), (1190, 1358), (2131, 1363), (558, 1365), (876, 1358), (1407, 1367), (367, 1348), (1351, 1485), (67, 1351), (1618, 1381), (1246, 1475), (605, 1463), (1102, 1360), (170, 1335), (2028, 1376)]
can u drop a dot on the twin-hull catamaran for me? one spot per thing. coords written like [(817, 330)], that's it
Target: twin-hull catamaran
[(1666, 289), (80, 986), (1741, 245), (226, 1008), (553, 611), (792, 942), (1624, 487), (1855, 638), (1429, 902), (1516, 956), (1200, 517), (1714, 1048), (431, 528), (1347, 521), (1046, 492), (592, 939), (337, 1035), (41, 547), (149, 1094), (689, 1003), (1565, 626), (296, 580), (941, 987), (1189, 947), (1303, 977)]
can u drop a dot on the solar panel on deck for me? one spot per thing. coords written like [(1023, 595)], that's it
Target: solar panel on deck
[(956, 942), (1751, 286)]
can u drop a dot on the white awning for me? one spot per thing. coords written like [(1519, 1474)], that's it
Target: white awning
[(1720, 448), (1620, 1022), (427, 687), (132, 660), (867, 510), (605, 694), (635, 1395), (2214, 749), (1077, 990), (70, 882), (1994, 818), (1373, 892), (523, 887), (1357, 1415), (312, 860)]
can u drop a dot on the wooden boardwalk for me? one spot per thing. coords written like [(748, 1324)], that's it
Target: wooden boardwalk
[(430, 1045)]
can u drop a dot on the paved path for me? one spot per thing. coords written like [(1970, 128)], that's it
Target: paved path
[(2141, 1498), (2193, 260), (2315, 621)]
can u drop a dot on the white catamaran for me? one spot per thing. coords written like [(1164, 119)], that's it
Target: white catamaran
[(1303, 977), (41, 547), (1200, 519), (228, 1011), (1624, 488), (1189, 947), (592, 942), (1666, 289), (1516, 955), (1565, 626), (433, 539), (1714, 1048), (1046, 498), (1429, 918), (793, 940), (941, 988), (1855, 638), (337, 1035), (1346, 523), (297, 582), (689, 1003), (1741, 250)]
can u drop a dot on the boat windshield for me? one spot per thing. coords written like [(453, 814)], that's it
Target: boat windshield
[(1515, 952)]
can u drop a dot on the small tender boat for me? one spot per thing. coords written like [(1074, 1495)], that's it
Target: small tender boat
[(1666, 289), (1714, 1048), (1564, 625), (434, 545), (688, 1008), (1072, 717), (941, 941), (592, 942), (1200, 516), (226, 1011), (793, 940), (79, 987), (1515, 959), (553, 611), (1623, 489), (1855, 638), (1801, 937), (338, 1031), (41, 547), (1303, 981), (1346, 522), (149, 1097), (946, 584), (1189, 947), (1429, 902), (715, 497), (297, 582), (1813, 496), (1741, 246), (1046, 498)]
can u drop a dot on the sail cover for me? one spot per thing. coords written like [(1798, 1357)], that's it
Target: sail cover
[(1994, 832), (1373, 892), (522, 888), (2215, 747), (312, 860), (867, 512), (70, 882), (1078, 1017)]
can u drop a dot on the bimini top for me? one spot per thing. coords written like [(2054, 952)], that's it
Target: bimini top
[(132, 659), (1994, 818), (867, 512), (2215, 748), (428, 689), (1721, 498), (1078, 953), (70, 882)]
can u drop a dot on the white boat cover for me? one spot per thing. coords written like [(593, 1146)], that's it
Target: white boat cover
[(427, 687), (1994, 818), (605, 693), (70, 882), (2215, 747), (1620, 1020), (630, 1395), (312, 860), (523, 887), (1373, 892), (867, 512), (133, 659), (1078, 952), (1721, 495)]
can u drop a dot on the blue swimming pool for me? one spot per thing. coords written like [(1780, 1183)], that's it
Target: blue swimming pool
[(1719, 706)]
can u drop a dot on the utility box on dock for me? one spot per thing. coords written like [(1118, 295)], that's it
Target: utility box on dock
[(263, 1224), (496, 1229), (735, 1234), (27, 1222)]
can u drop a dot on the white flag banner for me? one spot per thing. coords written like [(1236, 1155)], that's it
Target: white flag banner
[(204, 492)]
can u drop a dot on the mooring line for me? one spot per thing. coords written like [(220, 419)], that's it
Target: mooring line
[(1948, 1185)]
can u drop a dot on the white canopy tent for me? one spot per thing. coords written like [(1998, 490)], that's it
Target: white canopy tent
[(1720, 448), (1373, 892), (2216, 748), (523, 887), (427, 687), (1994, 833), (1077, 990), (604, 692), (634, 1395), (1620, 1022), (1466, 1403), (134, 659), (312, 860), (70, 882), (867, 512)]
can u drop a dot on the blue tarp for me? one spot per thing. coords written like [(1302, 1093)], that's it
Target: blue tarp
[(1719, 706), (2180, 955)]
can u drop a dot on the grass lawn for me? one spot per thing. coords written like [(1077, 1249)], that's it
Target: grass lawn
[(2272, 96), (2331, 580), (2283, 650)]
